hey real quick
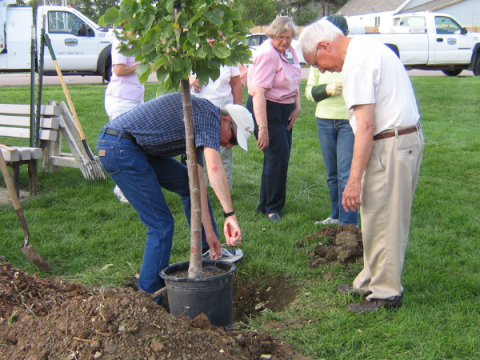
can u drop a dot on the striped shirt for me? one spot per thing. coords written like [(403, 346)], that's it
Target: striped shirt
[(159, 128)]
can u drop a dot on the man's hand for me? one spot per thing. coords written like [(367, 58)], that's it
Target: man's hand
[(351, 195), (215, 247), (232, 231), (334, 89)]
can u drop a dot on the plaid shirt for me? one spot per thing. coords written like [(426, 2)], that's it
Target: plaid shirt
[(158, 125)]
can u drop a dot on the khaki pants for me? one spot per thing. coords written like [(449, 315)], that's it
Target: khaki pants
[(388, 188)]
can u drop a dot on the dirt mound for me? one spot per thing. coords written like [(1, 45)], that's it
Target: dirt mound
[(48, 319), (341, 244)]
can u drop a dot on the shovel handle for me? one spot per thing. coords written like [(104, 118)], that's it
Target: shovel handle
[(14, 197), (64, 87)]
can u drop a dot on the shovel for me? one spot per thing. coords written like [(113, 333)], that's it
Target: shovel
[(27, 249)]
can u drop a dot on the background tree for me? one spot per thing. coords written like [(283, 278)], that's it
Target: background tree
[(304, 16), (260, 12)]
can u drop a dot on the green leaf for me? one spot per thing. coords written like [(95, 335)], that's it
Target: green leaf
[(143, 72), (169, 5), (214, 18), (110, 17)]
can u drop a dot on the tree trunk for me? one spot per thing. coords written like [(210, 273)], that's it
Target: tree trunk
[(195, 269)]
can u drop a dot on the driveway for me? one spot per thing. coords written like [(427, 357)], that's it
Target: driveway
[(23, 79)]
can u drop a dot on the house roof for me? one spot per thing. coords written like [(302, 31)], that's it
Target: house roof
[(359, 7), (431, 5)]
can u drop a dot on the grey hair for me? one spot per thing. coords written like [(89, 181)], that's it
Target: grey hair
[(279, 26), (321, 30), (224, 112)]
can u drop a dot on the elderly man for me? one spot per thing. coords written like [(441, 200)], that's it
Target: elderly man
[(387, 153), (137, 150)]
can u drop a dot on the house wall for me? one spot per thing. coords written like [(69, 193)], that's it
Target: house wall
[(466, 12)]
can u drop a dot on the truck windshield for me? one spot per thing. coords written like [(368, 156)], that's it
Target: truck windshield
[(446, 25), (64, 22)]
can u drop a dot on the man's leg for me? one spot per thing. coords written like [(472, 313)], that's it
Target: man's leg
[(387, 193), (129, 166)]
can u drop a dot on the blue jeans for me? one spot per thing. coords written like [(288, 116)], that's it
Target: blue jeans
[(141, 178), (273, 190), (336, 141)]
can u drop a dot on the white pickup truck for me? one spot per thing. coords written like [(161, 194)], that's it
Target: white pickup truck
[(81, 46), (432, 41)]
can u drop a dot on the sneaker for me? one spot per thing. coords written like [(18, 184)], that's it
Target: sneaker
[(328, 221), (119, 194), (229, 255)]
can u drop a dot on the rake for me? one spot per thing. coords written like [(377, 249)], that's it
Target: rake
[(93, 166)]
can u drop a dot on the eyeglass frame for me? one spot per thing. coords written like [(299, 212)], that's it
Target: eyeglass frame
[(233, 129)]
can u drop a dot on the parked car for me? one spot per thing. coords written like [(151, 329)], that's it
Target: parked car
[(255, 40)]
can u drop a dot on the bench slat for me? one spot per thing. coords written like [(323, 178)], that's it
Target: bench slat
[(10, 155), (17, 109), (45, 122), (45, 134), (27, 153)]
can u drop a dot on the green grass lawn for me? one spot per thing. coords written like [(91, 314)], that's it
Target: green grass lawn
[(87, 236)]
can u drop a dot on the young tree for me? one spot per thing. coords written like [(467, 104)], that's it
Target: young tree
[(170, 38)]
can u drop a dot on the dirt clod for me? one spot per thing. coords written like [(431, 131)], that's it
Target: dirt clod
[(341, 244)]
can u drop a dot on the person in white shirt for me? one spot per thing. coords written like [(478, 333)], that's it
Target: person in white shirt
[(124, 91), (226, 90), (387, 154)]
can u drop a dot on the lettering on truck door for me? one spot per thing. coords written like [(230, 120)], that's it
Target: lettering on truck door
[(73, 42), (449, 44)]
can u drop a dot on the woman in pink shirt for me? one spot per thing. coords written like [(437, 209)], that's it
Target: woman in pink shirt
[(273, 85)]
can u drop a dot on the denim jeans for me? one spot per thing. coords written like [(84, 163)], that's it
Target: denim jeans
[(141, 178), (336, 141), (273, 190)]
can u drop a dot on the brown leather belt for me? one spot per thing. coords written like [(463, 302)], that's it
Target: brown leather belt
[(403, 131), (124, 135)]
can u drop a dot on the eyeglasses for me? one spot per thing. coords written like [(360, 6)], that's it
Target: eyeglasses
[(284, 38), (233, 129), (315, 60)]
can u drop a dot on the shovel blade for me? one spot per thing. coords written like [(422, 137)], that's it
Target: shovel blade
[(35, 258)]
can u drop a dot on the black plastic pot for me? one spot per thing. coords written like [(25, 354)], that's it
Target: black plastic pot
[(212, 296)]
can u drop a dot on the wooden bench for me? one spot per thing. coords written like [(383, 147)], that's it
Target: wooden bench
[(15, 124)]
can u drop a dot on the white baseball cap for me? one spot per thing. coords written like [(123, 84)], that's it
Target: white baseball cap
[(244, 121)]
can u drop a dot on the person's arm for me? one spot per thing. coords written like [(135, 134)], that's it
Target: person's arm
[(218, 180), (294, 115), (211, 237), (362, 148), (260, 111), (125, 70), (237, 89)]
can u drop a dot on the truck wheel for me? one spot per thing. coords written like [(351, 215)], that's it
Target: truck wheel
[(452, 72), (476, 68)]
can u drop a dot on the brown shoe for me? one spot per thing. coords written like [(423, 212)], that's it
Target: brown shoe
[(348, 290), (367, 306)]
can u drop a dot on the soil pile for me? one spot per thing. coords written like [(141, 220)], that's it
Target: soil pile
[(49, 319), (341, 244)]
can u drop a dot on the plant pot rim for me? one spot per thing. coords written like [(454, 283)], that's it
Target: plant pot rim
[(225, 265)]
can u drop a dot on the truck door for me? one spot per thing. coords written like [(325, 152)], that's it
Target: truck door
[(73, 41), (449, 45)]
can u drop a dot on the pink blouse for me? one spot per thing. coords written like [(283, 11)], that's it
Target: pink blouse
[(280, 74)]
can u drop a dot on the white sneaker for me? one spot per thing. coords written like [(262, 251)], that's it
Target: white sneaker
[(119, 194), (228, 255), (328, 221)]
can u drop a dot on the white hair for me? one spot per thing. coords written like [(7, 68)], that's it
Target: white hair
[(321, 30)]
